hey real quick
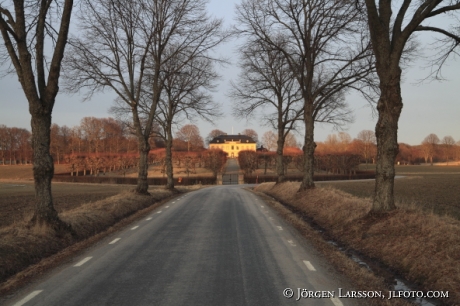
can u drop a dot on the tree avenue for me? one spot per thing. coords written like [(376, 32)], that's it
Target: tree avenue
[(131, 48), (266, 81), (325, 46), (25, 28)]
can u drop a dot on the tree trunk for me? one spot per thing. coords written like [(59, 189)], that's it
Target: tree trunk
[(169, 162), (281, 177), (308, 150), (386, 131), (43, 170), (169, 166), (144, 149)]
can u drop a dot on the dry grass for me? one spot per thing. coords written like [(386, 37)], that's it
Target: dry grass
[(360, 277), (423, 247), (22, 246)]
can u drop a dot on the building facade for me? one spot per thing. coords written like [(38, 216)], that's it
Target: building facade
[(233, 144)]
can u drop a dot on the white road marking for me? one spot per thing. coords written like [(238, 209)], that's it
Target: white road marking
[(115, 241), (159, 212), (336, 301), (262, 206), (167, 206), (270, 218), (280, 228), (28, 298), (81, 263), (173, 202), (149, 218), (291, 242), (133, 228), (309, 265)]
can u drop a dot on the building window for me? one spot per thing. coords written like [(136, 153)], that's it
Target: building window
[(233, 148), (237, 148)]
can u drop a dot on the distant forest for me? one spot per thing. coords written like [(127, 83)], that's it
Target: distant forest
[(95, 136)]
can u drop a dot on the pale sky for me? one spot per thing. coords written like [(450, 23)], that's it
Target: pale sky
[(432, 107)]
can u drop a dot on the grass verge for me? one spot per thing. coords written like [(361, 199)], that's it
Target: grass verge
[(424, 248), (26, 252)]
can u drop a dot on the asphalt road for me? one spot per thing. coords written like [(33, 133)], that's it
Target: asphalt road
[(216, 246)]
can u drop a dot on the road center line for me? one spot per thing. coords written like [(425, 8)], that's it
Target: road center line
[(115, 241), (28, 298), (291, 242), (133, 228), (149, 218), (159, 212), (280, 228), (336, 301), (167, 207), (309, 265), (81, 263)]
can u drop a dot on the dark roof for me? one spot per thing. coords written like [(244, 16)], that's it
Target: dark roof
[(224, 138)]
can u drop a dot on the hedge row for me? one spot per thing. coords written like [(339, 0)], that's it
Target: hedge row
[(360, 175), (184, 181)]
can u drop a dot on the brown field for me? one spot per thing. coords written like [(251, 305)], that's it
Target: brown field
[(17, 192), (17, 198), (24, 172), (431, 188)]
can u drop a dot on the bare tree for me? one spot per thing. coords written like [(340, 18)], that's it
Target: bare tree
[(457, 151), (390, 35), (125, 46), (186, 96), (291, 141), (269, 139), (326, 49), (368, 141), (267, 83), (92, 129), (25, 28), (3, 141), (448, 145), (212, 135), (190, 134), (251, 133), (431, 142)]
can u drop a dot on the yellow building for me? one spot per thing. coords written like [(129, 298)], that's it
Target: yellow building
[(232, 144)]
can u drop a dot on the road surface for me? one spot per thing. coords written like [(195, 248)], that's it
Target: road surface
[(216, 246)]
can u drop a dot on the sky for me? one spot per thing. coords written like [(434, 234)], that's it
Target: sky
[(429, 107)]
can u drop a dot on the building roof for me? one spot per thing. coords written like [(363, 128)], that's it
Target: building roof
[(232, 138)]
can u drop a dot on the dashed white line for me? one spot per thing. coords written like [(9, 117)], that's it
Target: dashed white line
[(262, 206), (280, 228), (167, 207), (159, 212), (28, 298), (133, 228), (115, 241), (291, 242), (270, 218), (336, 301), (309, 265), (81, 263), (149, 218)]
